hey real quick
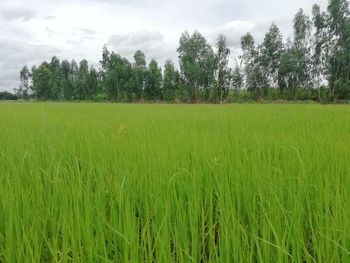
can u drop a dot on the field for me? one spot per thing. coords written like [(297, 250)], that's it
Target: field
[(174, 183)]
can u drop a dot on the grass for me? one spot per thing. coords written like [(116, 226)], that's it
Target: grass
[(174, 183)]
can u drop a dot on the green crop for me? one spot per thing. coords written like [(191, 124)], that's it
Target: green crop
[(174, 183)]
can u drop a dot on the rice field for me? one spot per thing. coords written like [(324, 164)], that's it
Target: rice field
[(174, 183)]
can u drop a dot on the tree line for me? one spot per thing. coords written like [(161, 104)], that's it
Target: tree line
[(313, 65)]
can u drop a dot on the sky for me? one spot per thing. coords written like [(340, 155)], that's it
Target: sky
[(36, 30)]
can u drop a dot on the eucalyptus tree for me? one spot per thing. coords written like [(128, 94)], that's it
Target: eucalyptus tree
[(302, 32), (55, 68), (237, 77), (197, 63), (73, 77), (319, 48), (92, 83), (288, 70), (223, 71), (339, 48), (153, 81), (42, 81), (65, 81), (295, 63), (116, 73), (271, 50), (248, 58), (255, 79), (82, 80), (139, 74), (170, 81), (24, 88)]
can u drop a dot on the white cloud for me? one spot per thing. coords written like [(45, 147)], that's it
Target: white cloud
[(135, 39), (18, 12), (152, 43), (14, 55)]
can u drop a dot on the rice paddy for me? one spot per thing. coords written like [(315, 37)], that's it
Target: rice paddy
[(174, 183)]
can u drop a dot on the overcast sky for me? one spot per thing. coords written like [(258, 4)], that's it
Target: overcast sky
[(34, 31)]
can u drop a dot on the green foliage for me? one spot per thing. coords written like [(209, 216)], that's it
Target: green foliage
[(339, 48), (256, 80), (271, 50), (4, 95), (223, 72), (24, 88), (171, 81), (93, 87), (82, 86), (197, 63), (140, 59), (116, 75), (153, 82), (66, 80), (237, 78), (42, 82)]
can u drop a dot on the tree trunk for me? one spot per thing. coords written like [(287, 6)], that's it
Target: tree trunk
[(319, 89), (336, 79), (220, 95)]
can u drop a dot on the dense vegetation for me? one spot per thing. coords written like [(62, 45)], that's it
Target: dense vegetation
[(174, 183), (314, 65), (4, 95)]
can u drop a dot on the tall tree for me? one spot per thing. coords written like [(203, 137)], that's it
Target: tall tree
[(42, 84), (105, 58), (65, 82), (319, 42), (24, 88), (255, 79), (339, 48), (73, 77), (116, 74), (55, 68), (301, 49), (171, 80), (197, 62), (138, 78), (82, 80), (237, 77), (271, 50), (289, 70), (223, 72), (153, 81), (93, 83)]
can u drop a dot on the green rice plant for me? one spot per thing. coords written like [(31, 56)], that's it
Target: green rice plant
[(174, 183)]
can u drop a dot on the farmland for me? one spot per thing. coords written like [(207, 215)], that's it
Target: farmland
[(109, 182)]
